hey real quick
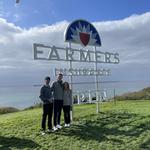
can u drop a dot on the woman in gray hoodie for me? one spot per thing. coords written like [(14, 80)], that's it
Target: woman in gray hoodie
[(67, 103)]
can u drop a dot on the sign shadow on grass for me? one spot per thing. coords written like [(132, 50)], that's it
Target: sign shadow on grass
[(7, 143)]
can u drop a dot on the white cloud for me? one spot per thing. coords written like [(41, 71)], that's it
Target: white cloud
[(129, 37)]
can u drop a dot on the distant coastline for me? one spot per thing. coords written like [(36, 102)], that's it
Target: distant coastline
[(143, 94)]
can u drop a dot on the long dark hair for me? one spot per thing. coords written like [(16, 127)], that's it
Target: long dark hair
[(68, 87)]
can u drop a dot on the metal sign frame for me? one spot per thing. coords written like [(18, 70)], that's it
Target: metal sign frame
[(90, 56)]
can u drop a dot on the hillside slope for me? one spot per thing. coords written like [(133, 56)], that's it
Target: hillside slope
[(143, 94), (122, 126)]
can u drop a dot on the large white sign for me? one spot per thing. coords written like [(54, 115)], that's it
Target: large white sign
[(83, 33)]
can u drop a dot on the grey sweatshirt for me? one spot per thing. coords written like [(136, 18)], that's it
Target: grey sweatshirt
[(57, 88), (46, 94), (67, 98)]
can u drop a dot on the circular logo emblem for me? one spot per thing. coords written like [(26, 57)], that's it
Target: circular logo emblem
[(82, 32)]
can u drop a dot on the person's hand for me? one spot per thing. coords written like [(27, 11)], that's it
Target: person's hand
[(50, 100)]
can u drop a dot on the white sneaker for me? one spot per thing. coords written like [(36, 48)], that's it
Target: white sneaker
[(50, 130), (58, 126), (66, 125), (43, 133), (55, 128)]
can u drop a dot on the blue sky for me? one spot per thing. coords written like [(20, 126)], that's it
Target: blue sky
[(30, 13)]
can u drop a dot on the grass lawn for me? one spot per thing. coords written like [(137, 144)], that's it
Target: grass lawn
[(125, 125)]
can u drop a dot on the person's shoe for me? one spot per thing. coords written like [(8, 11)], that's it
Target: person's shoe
[(43, 132), (50, 130), (55, 128), (59, 126), (66, 125)]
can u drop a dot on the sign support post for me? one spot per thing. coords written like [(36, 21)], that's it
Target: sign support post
[(96, 84), (71, 80)]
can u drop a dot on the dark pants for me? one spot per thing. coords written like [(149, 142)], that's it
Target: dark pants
[(47, 111), (66, 110), (58, 104)]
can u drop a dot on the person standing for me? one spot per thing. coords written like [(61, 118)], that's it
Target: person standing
[(57, 88), (47, 99), (67, 103)]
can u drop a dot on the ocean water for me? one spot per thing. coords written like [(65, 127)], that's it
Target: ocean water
[(25, 96), (19, 96)]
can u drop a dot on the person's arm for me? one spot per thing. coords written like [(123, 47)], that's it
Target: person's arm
[(52, 87), (42, 97), (71, 99), (52, 97)]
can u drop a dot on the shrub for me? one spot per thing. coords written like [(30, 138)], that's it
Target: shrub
[(4, 110), (143, 94)]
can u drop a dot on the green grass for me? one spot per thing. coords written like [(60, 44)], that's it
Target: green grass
[(125, 125)]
